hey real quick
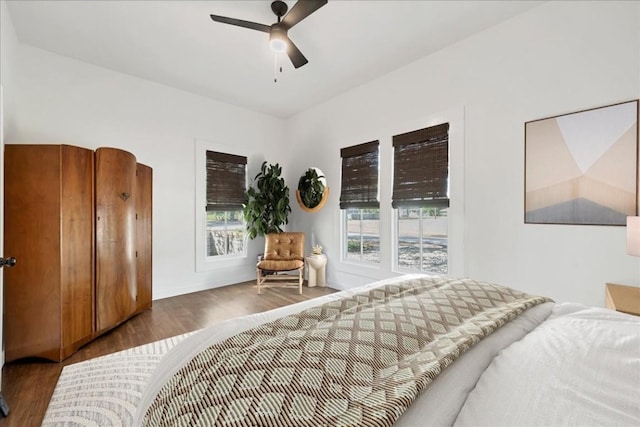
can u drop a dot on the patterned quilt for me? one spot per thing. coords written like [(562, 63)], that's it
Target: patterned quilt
[(361, 360)]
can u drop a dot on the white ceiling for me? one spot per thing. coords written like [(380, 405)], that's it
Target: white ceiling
[(175, 43)]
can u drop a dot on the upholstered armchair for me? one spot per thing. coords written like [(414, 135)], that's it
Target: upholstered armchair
[(283, 254)]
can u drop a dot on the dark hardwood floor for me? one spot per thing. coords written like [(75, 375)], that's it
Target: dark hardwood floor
[(27, 385)]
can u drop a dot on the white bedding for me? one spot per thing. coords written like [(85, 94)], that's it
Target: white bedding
[(560, 364), (581, 367), (440, 403)]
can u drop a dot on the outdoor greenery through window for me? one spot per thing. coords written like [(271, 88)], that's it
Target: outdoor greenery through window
[(225, 232), (422, 239), (362, 235), (360, 203), (421, 199), (226, 184)]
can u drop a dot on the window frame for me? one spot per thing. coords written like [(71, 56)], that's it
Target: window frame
[(420, 199), (357, 150), (204, 262), (226, 220), (345, 240), (456, 212), (396, 236)]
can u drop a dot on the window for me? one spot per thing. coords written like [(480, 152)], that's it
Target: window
[(225, 232), (362, 238), (422, 239), (225, 187), (360, 204), (421, 199)]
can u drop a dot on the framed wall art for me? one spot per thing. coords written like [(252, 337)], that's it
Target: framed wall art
[(582, 167)]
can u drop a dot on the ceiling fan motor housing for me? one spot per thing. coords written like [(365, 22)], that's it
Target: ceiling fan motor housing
[(279, 8)]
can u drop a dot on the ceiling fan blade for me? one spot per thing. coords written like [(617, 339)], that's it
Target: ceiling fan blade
[(241, 23), (301, 10), (296, 57)]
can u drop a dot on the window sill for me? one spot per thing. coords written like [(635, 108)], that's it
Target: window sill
[(346, 266), (215, 263)]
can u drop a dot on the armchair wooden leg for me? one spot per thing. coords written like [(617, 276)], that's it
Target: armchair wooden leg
[(258, 279), (300, 280)]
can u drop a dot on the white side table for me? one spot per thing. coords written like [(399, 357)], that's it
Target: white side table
[(317, 270)]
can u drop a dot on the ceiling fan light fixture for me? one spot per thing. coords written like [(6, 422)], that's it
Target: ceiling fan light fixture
[(278, 40), (278, 45)]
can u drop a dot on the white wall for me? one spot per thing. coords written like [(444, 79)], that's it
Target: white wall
[(8, 52), (557, 58), (61, 100)]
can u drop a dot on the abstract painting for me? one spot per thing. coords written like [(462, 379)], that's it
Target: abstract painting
[(582, 168)]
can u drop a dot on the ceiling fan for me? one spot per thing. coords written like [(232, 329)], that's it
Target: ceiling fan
[(278, 38)]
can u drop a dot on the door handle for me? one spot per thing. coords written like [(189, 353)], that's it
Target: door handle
[(9, 262)]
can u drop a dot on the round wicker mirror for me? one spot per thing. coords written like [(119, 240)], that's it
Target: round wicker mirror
[(312, 192)]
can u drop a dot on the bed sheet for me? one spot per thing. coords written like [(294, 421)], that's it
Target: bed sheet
[(581, 367)]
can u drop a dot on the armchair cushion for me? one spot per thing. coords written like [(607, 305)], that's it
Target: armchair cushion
[(285, 265)]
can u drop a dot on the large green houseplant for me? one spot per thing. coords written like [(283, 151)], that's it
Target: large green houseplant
[(266, 206)]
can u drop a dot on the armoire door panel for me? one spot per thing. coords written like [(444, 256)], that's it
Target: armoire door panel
[(144, 201), (31, 234), (77, 250), (116, 289)]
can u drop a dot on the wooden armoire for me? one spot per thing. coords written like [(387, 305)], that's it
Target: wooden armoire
[(79, 224)]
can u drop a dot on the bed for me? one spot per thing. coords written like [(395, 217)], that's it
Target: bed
[(520, 360)]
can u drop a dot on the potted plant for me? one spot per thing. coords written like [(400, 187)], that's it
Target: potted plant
[(311, 189), (266, 206)]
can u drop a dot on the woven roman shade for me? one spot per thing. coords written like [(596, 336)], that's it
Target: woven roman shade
[(421, 168), (226, 181), (360, 176)]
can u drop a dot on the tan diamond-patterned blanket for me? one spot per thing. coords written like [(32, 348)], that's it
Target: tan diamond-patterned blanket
[(356, 361)]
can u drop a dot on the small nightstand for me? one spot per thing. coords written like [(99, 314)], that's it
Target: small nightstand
[(625, 299)]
